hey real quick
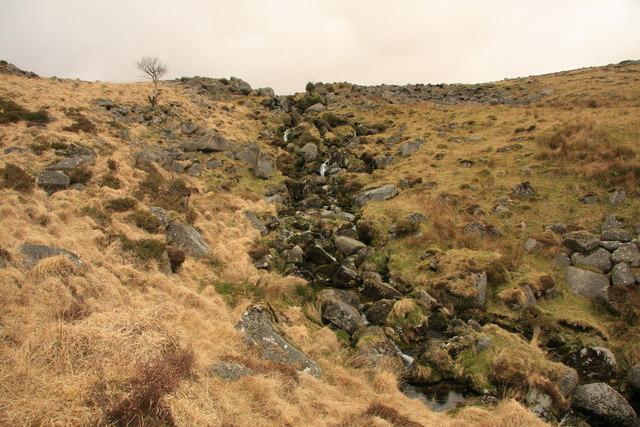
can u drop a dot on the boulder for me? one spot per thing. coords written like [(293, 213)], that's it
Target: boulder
[(161, 214), (229, 371), (347, 245), (31, 254), (379, 194), (617, 235), (346, 278), (568, 382), (211, 141), (379, 310), (318, 255), (255, 222), (248, 154), (621, 275), (603, 406), (599, 258), (482, 229), (316, 108), (53, 181), (69, 164), (627, 253), (380, 290), (617, 197), (383, 161), (409, 148), (341, 315), (309, 152), (524, 190), (594, 363), (188, 239), (195, 170), (585, 283), (258, 330), (263, 168), (581, 241)]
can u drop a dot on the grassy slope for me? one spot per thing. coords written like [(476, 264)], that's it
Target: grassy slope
[(76, 344)]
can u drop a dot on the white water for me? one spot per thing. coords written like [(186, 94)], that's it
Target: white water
[(285, 137), (408, 359), (323, 168)]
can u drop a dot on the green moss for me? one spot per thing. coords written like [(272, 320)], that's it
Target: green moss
[(232, 293), (145, 220), (100, 217), (143, 249)]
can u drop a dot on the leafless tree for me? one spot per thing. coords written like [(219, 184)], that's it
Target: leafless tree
[(154, 69)]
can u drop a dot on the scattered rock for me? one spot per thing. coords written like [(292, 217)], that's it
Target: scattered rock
[(634, 378), (627, 253), (230, 372), (69, 164), (603, 406), (599, 258), (585, 283), (616, 235), (589, 199), (380, 194), (348, 246), (31, 254), (409, 148), (524, 190), (188, 239), (621, 275), (211, 141), (346, 278), (341, 315), (594, 363), (379, 311), (309, 152), (375, 349), (263, 168), (256, 223), (482, 229), (617, 197), (611, 221), (581, 241), (568, 382), (53, 181), (161, 214), (257, 328)]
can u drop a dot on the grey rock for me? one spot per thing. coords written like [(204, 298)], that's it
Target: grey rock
[(188, 239), (568, 382), (621, 275), (594, 363), (255, 222), (348, 297), (603, 406), (316, 108), (188, 127), (581, 241), (257, 329), (276, 198), (611, 221), (213, 164), (309, 152), (589, 199), (379, 194), (69, 164), (346, 278), (599, 258), (481, 285), (195, 170), (585, 283), (209, 142), (161, 214), (634, 378), (558, 228), (229, 371), (540, 403), (348, 246), (53, 181), (627, 253), (295, 255), (379, 311), (341, 315), (409, 148), (610, 246), (318, 255), (482, 229), (484, 342), (617, 235), (381, 162), (617, 197), (31, 254), (263, 168), (249, 154), (380, 290)]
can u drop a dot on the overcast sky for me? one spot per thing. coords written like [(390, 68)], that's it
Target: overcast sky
[(286, 43)]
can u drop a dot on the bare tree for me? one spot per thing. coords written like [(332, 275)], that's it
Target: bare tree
[(153, 69)]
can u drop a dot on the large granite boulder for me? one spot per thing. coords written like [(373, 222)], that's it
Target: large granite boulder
[(603, 406), (598, 258), (31, 254), (51, 181), (585, 283), (258, 330), (379, 194), (188, 239)]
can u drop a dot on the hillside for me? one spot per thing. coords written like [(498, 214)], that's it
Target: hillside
[(334, 258)]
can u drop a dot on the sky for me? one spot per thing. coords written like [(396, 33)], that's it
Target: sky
[(284, 44)]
